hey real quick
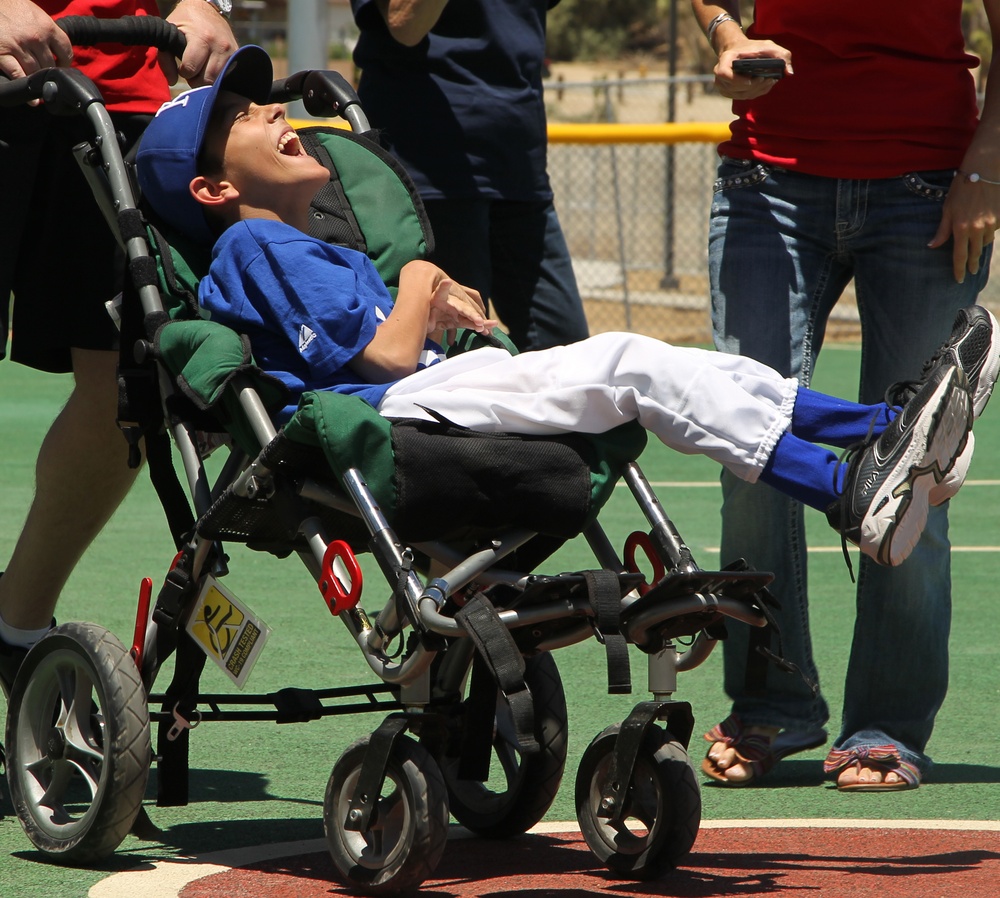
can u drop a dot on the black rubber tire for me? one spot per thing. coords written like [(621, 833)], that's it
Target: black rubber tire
[(78, 744), (522, 787), (663, 805), (409, 829)]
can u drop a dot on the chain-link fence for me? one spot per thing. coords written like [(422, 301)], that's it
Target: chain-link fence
[(636, 220), (636, 213)]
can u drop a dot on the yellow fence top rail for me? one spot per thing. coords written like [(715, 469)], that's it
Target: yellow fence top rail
[(666, 132)]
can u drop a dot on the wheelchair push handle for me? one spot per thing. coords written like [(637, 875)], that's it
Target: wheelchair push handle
[(324, 94), (132, 31), (68, 91)]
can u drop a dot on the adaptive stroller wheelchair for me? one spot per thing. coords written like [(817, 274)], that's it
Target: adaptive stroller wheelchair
[(459, 524)]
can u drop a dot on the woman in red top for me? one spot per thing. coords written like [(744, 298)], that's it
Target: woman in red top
[(61, 263), (868, 161)]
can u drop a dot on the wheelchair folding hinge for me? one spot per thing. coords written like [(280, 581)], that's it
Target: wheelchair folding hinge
[(406, 595), (680, 723), (670, 545), (361, 813), (405, 606)]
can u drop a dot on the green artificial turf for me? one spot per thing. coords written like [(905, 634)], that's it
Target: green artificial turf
[(253, 783)]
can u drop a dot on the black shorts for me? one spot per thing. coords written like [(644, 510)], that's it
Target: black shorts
[(58, 256)]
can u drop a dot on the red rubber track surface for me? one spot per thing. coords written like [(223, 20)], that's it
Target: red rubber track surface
[(827, 862)]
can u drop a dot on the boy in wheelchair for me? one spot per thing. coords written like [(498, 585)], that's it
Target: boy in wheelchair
[(223, 166)]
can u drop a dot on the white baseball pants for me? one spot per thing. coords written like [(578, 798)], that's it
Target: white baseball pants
[(727, 407)]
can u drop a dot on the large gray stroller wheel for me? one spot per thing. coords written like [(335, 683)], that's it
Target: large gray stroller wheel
[(78, 745), (409, 826), (521, 787), (662, 805)]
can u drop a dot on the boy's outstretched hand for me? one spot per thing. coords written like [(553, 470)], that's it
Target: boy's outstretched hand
[(428, 303), (453, 306)]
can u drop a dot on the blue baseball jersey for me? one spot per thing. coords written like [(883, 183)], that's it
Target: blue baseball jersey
[(308, 307)]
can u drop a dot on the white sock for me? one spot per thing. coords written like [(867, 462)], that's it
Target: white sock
[(18, 638)]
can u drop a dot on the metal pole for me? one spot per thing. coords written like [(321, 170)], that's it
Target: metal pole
[(669, 281), (620, 223), (308, 41)]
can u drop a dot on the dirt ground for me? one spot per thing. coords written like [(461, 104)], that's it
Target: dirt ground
[(693, 102)]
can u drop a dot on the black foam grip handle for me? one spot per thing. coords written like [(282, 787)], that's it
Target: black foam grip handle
[(132, 31)]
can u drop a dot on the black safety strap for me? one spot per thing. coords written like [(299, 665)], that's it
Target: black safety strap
[(604, 592), (504, 661), (140, 410), (478, 722), (172, 738), (757, 660), (163, 476), (760, 655)]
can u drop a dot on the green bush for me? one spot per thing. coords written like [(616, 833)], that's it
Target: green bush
[(596, 29)]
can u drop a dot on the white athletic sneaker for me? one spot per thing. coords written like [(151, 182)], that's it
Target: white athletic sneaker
[(883, 508), (974, 346)]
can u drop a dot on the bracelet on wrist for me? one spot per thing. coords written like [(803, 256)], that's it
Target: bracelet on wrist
[(973, 177), (716, 22)]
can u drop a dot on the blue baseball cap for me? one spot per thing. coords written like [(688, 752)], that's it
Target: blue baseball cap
[(167, 160)]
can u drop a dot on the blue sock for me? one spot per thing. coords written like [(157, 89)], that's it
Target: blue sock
[(819, 418), (806, 472)]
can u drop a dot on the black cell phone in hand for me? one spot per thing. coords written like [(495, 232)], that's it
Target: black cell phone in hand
[(760, 67)]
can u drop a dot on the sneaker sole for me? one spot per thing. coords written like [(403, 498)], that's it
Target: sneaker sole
[(954, 479), (938, 437), (990, 370)]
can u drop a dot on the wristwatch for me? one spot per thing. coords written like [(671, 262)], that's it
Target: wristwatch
[(225, 7)]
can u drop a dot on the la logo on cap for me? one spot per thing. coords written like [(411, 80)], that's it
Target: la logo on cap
[(180, 101)]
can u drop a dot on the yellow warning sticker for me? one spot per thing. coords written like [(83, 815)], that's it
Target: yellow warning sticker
[(227, 631)]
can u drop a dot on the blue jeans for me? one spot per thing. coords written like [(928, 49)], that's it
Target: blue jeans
[(782, 248), (515, 255)]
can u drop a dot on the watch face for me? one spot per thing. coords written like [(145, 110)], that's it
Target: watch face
[(223, 6)]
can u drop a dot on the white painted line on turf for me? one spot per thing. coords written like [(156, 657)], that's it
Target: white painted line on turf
[(840, 551), (714, 484), (167, 878), (815, 823), (864, 823)]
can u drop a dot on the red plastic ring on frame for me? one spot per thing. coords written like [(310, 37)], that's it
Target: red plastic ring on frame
[(636, 540), (338, 597)]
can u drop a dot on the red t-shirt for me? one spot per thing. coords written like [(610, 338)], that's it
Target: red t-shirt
[(881, 87), (128, 77)]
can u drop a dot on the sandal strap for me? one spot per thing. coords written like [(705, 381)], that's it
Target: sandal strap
[(752, 747), (886, 757), (729, 731)]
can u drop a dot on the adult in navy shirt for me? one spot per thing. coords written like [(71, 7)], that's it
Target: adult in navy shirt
[(457, 89)]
